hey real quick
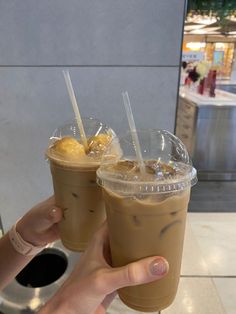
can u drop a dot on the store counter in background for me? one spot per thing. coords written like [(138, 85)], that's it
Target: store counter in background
[(207, 126), (231, 88)]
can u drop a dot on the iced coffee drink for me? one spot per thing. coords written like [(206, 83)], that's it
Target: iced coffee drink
[(146, 212), (74, 180)]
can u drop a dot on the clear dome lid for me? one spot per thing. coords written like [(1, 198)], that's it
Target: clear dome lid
[(167, 165), (72, 151)]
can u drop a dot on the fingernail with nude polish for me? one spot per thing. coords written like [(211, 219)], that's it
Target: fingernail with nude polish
[(159, 267), (53, 212)]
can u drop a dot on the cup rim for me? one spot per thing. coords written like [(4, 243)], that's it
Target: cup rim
[(149, 187)]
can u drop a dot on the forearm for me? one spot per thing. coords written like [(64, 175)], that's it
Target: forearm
[(11, 262), (57, 305), (74, 297)]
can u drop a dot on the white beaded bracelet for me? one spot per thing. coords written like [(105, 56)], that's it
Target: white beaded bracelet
[(21, 246)]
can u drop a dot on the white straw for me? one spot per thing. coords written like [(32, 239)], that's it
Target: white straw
[(75, 108), (133, 131)]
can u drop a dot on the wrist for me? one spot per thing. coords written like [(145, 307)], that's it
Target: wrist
[(28, 234), (20, 245), (56, 305)]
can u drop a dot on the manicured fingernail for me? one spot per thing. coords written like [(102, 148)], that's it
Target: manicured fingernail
[(159, 267), (53, 212)]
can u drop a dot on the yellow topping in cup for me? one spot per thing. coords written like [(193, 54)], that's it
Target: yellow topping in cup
[(69, 147), (99, 142)]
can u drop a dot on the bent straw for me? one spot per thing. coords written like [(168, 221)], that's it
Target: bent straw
[(75, 108), (133, 131)]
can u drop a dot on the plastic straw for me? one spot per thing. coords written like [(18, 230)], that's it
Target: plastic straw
[(133, 131), (75, 108)]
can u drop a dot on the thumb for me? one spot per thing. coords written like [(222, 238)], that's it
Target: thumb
[(38, 225), (53, 215), (139, 272), (46, 219)]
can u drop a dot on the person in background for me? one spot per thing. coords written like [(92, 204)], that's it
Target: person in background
[(92, 285)]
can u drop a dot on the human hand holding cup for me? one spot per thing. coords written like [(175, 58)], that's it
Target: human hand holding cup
[(146, 212)]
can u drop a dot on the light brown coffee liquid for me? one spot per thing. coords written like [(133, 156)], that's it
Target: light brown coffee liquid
[(78, 194), (145, 227)]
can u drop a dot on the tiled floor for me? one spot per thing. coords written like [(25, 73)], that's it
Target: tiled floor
[(208, 276)]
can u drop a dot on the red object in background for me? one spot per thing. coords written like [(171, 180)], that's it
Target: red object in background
[(187, 81), (201, 86), (212, 83)]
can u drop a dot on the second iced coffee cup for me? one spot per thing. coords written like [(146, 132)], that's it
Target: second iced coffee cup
[(74, 180), (146, 210)]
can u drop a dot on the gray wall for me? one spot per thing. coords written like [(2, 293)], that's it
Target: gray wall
[(109, 46)]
